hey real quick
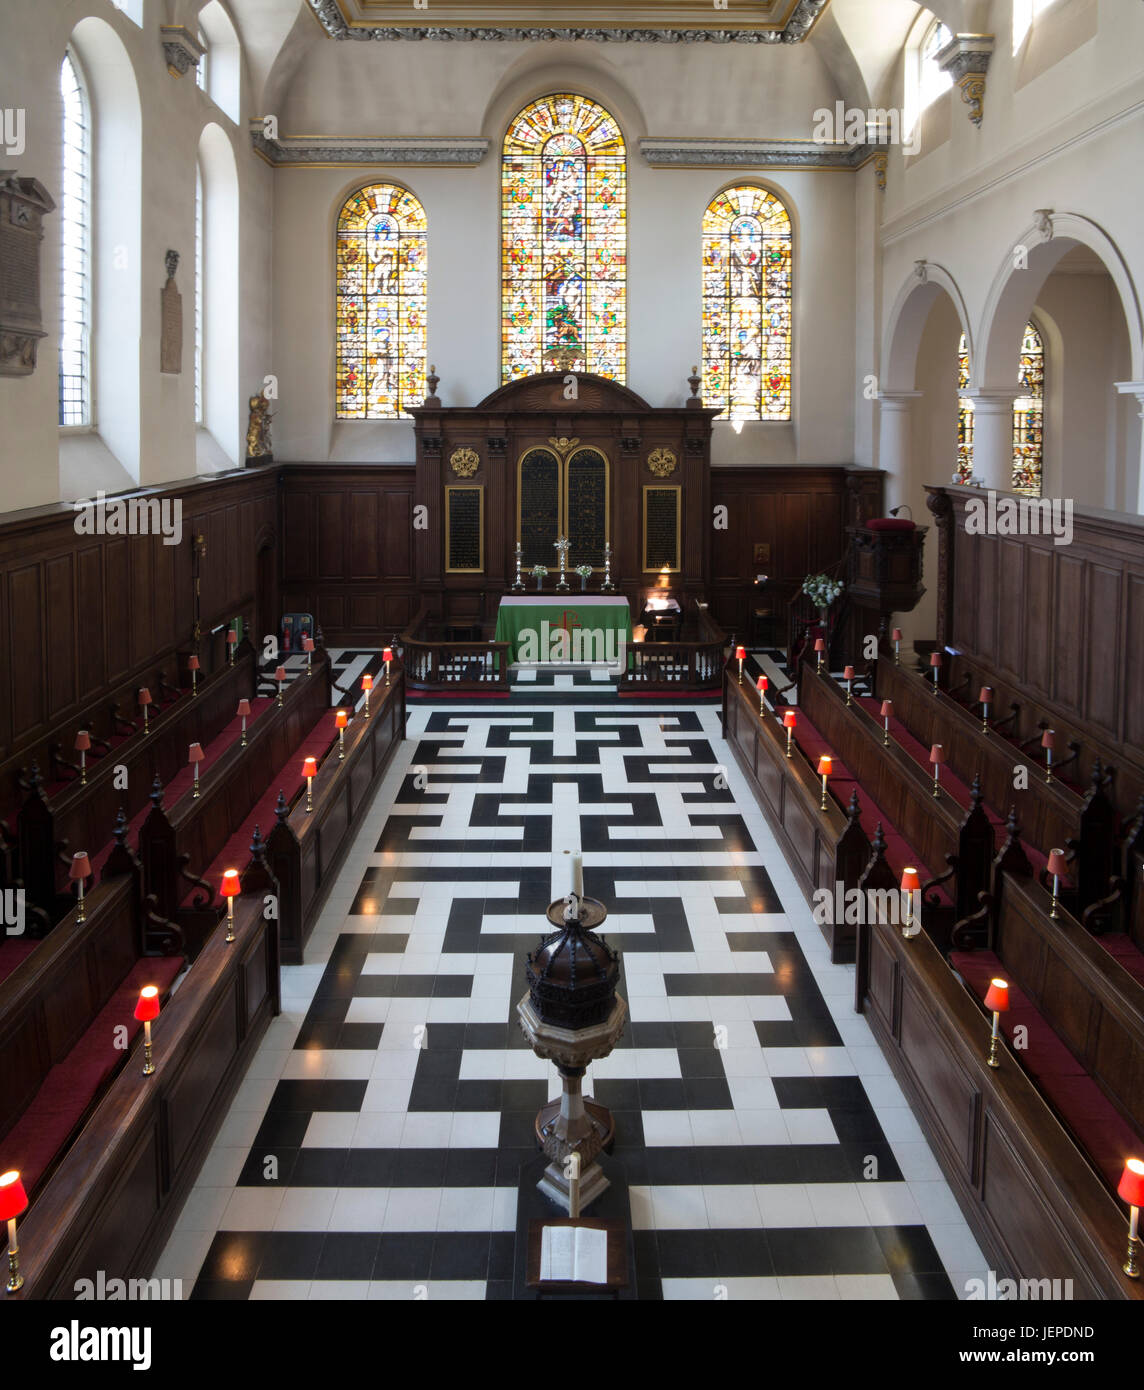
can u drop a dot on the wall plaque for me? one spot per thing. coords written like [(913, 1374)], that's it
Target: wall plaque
[(586, 508), (465, 530), (171, 330), (23, 202), (661, 528), (538, 507)]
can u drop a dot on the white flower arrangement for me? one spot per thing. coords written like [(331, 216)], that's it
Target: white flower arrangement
[(821, 590), (584, 571), (539, 571)]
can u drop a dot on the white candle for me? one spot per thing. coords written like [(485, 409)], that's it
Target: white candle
[(577, 883)]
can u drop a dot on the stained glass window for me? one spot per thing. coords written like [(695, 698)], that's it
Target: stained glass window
[(75, 226), (564, 241), (747, 305), (1028, 416), (964, 416), (381, 278)]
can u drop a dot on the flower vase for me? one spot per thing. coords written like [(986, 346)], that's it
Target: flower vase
[(583, 582), (539, 583)]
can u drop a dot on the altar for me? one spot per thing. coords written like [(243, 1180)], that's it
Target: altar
[(565, 627)]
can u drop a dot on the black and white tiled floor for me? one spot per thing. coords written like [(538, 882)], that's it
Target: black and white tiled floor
[(373, 1148)]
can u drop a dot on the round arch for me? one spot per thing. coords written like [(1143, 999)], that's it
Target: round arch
[(907, 322), (1013, 295)]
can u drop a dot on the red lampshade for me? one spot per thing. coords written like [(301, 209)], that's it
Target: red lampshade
[(937, 754), (148, 1006), (997, 996), (887, 709), (82, 741), (231, 635), (387, 655), (896, 635), (790, 719), (243, 709), (935, 658), (80, 865), (310, 767), (367, 682), (192, 663), (144, 695), (910, 881), (819, 644), (740, 653), (848, 673), (1049, 738), (195, 754), (762, 683), (1058, 864), (1131, 1188), (280, 673), (231, 887), (341, 719), (13, 1198), (307, 644), (825, 765)]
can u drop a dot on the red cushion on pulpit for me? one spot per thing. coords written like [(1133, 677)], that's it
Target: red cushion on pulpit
[(890, 523)]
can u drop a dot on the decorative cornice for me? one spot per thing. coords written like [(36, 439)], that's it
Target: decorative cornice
[(301, 151), (753, 154), (334, 22), (181, 49), (966, 59)]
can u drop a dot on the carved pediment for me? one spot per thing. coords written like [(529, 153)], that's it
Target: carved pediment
[(546, 392)]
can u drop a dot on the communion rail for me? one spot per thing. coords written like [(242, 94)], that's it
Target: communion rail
[(432, 663), (696, 664)]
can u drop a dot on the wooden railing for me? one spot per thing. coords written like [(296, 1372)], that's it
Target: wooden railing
[(690, 665), (431, 663)]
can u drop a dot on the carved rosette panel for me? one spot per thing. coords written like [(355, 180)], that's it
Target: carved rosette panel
[(662, 462), (464, 462)]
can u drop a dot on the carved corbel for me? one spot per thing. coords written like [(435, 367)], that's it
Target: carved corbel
[(966, 59)]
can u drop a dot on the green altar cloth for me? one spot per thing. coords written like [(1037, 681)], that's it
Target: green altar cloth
[(565, 627)]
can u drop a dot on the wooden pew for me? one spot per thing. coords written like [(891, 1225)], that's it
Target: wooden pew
[(112, 1201), (305, 850), (176, 844), (941, 832), (77, 816), (1035, 1204)]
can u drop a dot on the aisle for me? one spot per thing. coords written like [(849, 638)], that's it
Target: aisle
[(373, 1148)]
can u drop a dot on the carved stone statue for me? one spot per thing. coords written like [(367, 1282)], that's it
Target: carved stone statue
[(171, 319), (258, 430)]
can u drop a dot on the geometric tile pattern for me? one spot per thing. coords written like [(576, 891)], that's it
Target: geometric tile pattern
[(374, 1148)]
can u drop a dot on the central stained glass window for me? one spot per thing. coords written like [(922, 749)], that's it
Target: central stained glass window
[(747, 305), (563, 241), (381, 304)]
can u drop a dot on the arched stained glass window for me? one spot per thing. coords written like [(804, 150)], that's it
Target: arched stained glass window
[(75, 258), (381, 309), (1028, 416), (964, 416), (747, 305), (563, 241)]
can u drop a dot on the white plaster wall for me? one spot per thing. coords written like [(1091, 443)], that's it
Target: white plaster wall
[(474, 89), (173, 112), (1069, 140)]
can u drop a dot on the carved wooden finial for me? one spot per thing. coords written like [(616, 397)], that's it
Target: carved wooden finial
[(281, 807), (120, 830), (854, 810), (257, 846), (156, 793), (975, 791), (34, 778), (879, 843)]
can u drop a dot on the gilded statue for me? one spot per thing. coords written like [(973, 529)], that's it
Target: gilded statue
[(258, 430)]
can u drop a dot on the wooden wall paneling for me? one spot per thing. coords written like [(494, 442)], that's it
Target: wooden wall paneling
[(1132, 724), (396, 533), (117, 604), (26, 649), (60, 613), (1066, 681), (364, 559), (1011, 628), (1038, 618), (297, 531), (1102, 624)]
